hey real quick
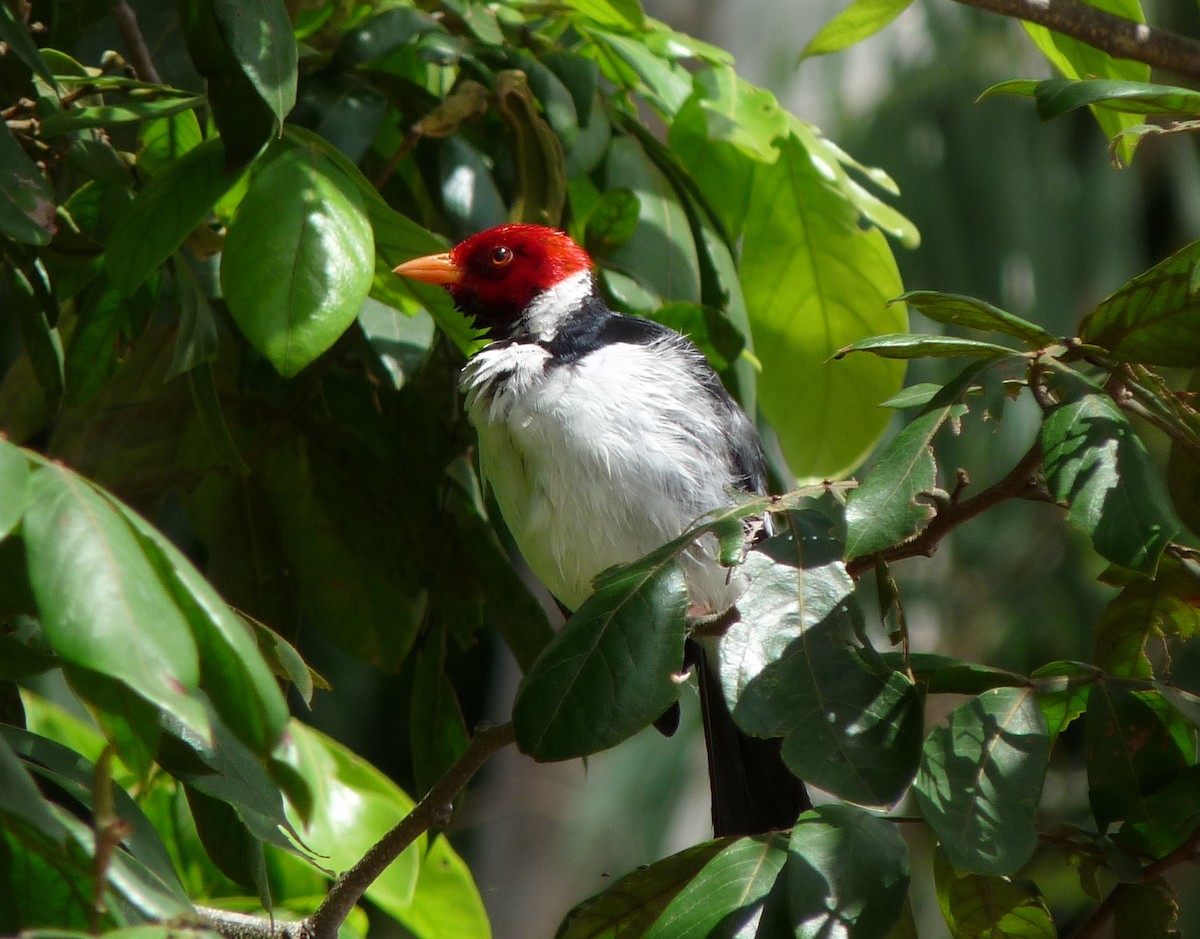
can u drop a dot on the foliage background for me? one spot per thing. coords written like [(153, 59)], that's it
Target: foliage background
[(1029, 215)]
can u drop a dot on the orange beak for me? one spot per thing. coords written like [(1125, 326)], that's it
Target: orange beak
[(432, 269)]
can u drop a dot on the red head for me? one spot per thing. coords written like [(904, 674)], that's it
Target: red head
[(495, 275)]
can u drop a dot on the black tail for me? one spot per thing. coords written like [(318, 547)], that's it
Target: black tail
[(752, 790)]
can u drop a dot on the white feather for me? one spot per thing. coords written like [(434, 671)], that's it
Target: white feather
[(599, 461)]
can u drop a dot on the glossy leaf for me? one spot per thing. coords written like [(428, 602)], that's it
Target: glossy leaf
[(171, 206), (259, 36), (30, 297), (26, 200), (354, 805), (20, 798), (610, 671), (16, 34), (1098, 465), (1149, 909), (632, 904), (1183, 467), (800, 318), (1076, 59), (738, 113), (862, 18), (959, 310), (730, 890), (1155, 318), (101, 600), (981, 780), (914, 346), (437, 729), (14, 486), (447, 902), (942, 674), (851, 726), (847, 874), (298, 258), (981, 907), (1056, 96), (165, 140)]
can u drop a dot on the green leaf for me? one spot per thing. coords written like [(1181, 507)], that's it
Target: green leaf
[(102, 603), (919, 346), (814, 281), (1056, 96), (28, 293), (1155, 318), (1095, 462), (298, 258), (541, 171), (16, 34), (437, 729), (847, 874), (981, 780), (20, 799), (14, 486), (661, 252), (1183, 466), (618, 14), (107, 115), (630, 62), (171, 206), (740, 114), (246, 115), (447, 902), (1076, 59), (611, 670), (979, 907), (730, 890), (1149, 615), (354, 805), (166, 139), (233, 674), (942, 674), (26, 199), (884, 510), (1063, 689), (259, 36), (631, 905), (958, 310), (851, 727), (862, 18), (1131, 753)]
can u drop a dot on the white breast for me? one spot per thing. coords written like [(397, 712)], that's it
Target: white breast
[(599, 461)]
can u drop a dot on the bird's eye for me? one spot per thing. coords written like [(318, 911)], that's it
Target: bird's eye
[(501, 256)]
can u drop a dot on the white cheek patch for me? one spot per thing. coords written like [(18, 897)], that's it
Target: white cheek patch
[(544, 317)]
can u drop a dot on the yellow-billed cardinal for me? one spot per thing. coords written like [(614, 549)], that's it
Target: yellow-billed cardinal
[(604, 436)]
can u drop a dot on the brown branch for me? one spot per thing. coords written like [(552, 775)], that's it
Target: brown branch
[(432, 811), (1022, 482), (1108, 906), (135, 42), (1119, 37)]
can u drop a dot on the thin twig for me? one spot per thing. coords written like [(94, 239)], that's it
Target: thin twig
[(1119, 37), (135, 42), (1022, 482), (432, 811)]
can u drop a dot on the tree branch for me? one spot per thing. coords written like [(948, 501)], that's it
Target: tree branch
[(432, 811), (1119, 37), (135, 42), (1102, 913), (1022, 482)]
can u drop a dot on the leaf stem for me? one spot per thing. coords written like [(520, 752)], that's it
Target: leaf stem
[(1119, 37)]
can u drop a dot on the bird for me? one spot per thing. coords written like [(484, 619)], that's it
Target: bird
[(603, 436)]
